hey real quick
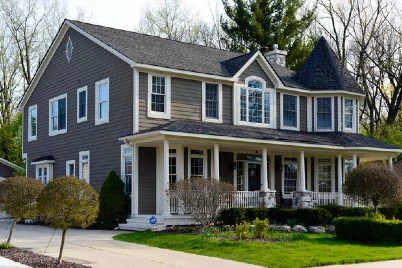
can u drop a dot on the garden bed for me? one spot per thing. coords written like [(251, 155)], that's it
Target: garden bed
[(35, 260)]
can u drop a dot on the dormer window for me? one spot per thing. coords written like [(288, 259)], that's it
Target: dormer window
[(349, 115), (256, 103), (324, 114)]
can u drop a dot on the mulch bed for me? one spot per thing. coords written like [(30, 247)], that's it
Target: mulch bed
[(35, 260)]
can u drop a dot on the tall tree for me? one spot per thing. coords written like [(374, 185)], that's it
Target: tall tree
[(254, 23)]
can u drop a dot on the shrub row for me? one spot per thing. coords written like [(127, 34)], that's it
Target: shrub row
[(306, 217), (394, 212), (365, 229)]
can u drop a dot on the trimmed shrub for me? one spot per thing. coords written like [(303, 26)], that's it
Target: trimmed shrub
[(340, 211), (112, 209), (232, 216), (369, 229), (313, 216), (242, 230), (260, 227), (394, 212)]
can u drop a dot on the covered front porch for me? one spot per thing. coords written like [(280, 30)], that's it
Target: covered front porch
[(265, 173)]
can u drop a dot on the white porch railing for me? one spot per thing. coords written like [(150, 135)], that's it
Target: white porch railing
[(321, 199), (244, 199)]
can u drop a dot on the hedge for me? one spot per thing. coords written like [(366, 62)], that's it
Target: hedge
[(306, 217), (365, 229), (392, 212)]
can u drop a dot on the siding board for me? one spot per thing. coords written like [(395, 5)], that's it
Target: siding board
[(6, 171), (303, 113), (146, 180), (255, 69)]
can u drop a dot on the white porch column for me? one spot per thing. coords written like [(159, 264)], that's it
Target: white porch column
[(309, 173), (216, 161), (354, 165), (134, 184), (340, 194), (165, 176), (272, 172), (390, 164), (264, 173), (302, 174)]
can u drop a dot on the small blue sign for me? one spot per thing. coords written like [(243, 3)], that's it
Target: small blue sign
[(152, 220)]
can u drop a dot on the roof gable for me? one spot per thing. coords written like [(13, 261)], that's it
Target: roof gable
[(11, 165)]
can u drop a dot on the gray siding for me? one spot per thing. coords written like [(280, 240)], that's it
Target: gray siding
[(146, 180), (278, 110), (225, 171), (6, 171), (255, 69), (303, 113), (186, 100), (89, 63), (227, 104)]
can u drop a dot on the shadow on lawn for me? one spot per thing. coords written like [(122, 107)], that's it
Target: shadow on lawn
[(334, 241)]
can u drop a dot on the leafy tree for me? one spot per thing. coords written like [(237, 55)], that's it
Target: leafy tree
[(18, 198), (11, 141), (202, 198), (373, 183), (112, 198), (68, 202), (255, 23)]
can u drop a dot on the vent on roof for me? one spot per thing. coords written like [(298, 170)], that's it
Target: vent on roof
[(277, 56)]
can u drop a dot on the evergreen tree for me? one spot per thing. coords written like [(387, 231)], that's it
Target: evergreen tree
[(112, 209), (255, 23)]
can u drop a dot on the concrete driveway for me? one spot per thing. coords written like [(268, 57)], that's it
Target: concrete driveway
[(97, 249)]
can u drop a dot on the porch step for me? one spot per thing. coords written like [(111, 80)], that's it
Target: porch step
[(141, 227), (141, 222)]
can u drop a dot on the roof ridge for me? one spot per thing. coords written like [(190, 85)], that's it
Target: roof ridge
[(154, 36)]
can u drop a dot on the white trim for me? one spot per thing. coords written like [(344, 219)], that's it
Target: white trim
[(316, 164), (134, 185), (100, 43), (12, 165), (68, 163), (320, 92), (49, 171), (153, 114), (309, 114), (98, 120), (25, 157), (123, 147), (62, 131), (32, 138), (316, 129), (297, 128), (43, 162), (136, 109), (340, 109), (272, 97), (358, 116), (220, 104), (79, 120), (287, 196), (204, 156), (354, 115), (80, 175)]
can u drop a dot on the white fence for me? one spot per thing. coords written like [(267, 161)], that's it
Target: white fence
[(321, 199)]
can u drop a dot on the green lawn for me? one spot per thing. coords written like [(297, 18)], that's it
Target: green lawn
[(311, 250)]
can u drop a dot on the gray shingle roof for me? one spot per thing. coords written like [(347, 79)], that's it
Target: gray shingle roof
[(341, 139)]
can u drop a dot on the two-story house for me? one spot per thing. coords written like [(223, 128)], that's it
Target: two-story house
[(158, 111)]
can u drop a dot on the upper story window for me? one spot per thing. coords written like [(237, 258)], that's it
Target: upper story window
[(82, 106), (289, 113), (102, 102), (58, 115), (256, 102), (349, 115), (324, 114), (158, 96), (212, 102), (32, 122)]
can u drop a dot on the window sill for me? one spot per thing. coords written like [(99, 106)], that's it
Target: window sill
[(80, 120), (350, 130), (242, 123), (32, 138), (290, 128), (101, 121), (324, 130), (159, 115), (213, 120), (54, 133)]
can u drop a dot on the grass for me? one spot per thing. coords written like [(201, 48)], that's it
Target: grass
[(310, 250), (5, 245)]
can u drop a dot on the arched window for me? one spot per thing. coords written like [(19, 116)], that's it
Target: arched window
[(256, 102)]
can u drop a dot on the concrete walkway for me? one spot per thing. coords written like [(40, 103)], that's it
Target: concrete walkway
[(6, 263), (97, 249)]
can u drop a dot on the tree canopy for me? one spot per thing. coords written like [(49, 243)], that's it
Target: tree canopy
[(254, 23)]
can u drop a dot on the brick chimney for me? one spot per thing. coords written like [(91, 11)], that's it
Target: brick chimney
[(276, 55)]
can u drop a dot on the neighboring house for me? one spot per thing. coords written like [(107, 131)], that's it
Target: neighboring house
[(7, 170), (158, 111)]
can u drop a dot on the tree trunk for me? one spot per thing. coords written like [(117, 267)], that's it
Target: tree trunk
[(63, 237), (12, 230)]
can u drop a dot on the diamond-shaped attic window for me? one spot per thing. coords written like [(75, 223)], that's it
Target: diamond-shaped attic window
[(69, 49)]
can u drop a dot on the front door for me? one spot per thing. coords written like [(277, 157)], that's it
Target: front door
[(254, 176)]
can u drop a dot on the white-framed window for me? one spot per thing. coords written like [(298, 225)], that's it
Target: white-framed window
[(159, 95), (70, 168), (102, 102), (58, 115), (349, 115), (290, 175), (84, 166), (324, 114), (173, 172), (256, 103), (325, 175), (347, 167), (32, 123), (82, 104), (197, 163), (290, 116), (127, 167), (44, 171), (211, 102)]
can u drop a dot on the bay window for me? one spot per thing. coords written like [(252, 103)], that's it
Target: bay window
[(349, 115)]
